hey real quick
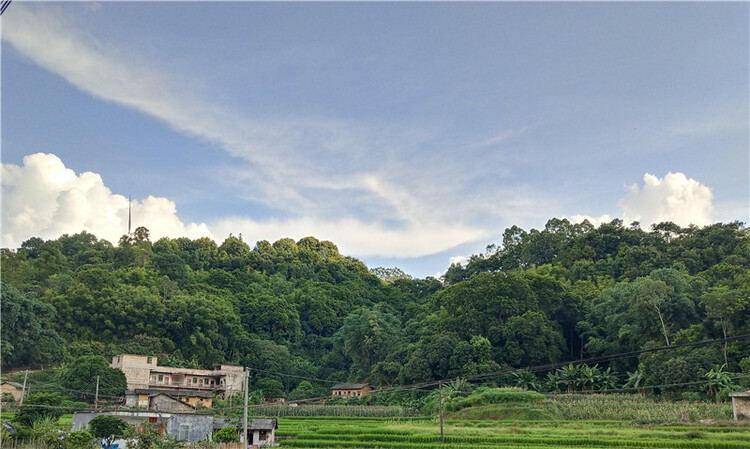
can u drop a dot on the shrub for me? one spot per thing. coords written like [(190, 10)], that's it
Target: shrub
[(489, 396), (80, 439), (108, 427), (227, 435), (45, 431)]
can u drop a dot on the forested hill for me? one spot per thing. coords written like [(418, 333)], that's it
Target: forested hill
[(292, 310)]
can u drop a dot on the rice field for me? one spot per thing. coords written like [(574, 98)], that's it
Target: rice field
[(424, 433)]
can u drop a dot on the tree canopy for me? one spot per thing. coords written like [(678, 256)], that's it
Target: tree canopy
[(301, 309)]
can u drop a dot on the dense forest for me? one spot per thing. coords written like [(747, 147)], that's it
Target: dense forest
[(661, 310)]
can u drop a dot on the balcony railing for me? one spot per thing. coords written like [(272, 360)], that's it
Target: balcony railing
[(184, 384)]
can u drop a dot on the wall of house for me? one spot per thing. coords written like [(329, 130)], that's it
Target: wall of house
[(351, 393), (81, 419), (741, 407), (136, 368), (198, 427), (233, 379), (164, 403), (196, 401)]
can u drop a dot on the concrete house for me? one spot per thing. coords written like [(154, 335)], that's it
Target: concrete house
[(350, 390), (141, 397), (197, 386), (741, 404), (12, 388), (183, 426)]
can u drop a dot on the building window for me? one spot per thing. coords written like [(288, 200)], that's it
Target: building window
[(148, 360), (152, 420), (195, 380), (184, 432)]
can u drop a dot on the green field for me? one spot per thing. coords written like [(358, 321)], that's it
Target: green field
[(415, 433)]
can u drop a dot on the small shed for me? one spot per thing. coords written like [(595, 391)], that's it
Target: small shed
[(350, 390), (741, 404), (12, 388), (262, 432)]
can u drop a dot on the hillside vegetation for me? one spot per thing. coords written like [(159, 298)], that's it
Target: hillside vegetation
[(659, 311)]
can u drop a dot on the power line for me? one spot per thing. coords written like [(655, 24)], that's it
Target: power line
[(4, 6)]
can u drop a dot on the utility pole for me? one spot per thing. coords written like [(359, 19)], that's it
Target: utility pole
[(440, 389), (23, 390), (96, 395), (244, 419)]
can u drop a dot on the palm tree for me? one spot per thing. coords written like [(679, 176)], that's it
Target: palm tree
[(569, 377), (636, 380), (607, 380), (718, 381), (587, 377), (526, 379)]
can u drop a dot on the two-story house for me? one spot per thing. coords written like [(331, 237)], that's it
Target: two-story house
[(146, 378)]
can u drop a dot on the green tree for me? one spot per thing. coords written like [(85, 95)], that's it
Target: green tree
[(270, 388), (531, 339), (369, 336), (40, 406), (27, 334), (272, 318), (78, 439), (83, 371), (303, 391), (481, 304), (724, 304), (108, 427)]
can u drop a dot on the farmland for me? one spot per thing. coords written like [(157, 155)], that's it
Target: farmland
[(424, 433)]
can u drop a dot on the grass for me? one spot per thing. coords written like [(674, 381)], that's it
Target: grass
[(416, 433), (635, 408), (511, 420)]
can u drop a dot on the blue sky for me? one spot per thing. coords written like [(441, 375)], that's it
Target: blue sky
[(409, 134)]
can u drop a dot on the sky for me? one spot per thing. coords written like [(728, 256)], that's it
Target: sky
[(409, 134)]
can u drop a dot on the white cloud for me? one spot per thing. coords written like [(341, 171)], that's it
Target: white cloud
[(675, 198), (595, 221), (45, 199), (458, 260), (353, 236)]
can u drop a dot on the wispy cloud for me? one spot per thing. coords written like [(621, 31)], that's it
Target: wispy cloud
[(321, 170)]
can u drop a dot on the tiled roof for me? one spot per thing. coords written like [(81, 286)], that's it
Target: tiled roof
[(349, 386), (263, 424)]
